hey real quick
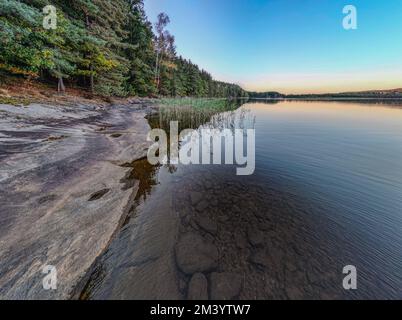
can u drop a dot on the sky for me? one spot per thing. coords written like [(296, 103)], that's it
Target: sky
[(290, 46)]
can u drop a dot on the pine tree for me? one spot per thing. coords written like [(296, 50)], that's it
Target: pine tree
[(106, 46)]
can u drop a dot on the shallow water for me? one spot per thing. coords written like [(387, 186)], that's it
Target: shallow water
[(326, 193)]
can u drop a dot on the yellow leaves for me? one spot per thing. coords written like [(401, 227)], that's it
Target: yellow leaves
[(105, 64), (47, 54), (99, 63), (169, 65), (18, 71), (85, 73)]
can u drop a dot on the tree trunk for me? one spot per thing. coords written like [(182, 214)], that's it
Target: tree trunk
[(92, 79), (91, 68), (87, 21), (156, 65), (158, 76), (61, 87)]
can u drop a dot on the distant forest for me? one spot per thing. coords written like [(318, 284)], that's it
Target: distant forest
[(374, 94), (106, 47)]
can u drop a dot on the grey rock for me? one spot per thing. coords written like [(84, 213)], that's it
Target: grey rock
[(45, 213), (225, 286), (198, 287), (194, 254)]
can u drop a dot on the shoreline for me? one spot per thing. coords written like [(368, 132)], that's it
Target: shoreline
[(63, 194)]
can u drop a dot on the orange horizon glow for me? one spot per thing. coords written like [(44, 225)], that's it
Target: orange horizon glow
[(325, 83), (317, 83)]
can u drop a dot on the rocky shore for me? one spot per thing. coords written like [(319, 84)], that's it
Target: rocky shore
[(63, 193)]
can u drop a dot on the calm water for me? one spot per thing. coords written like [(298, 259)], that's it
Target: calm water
[(326, 193)]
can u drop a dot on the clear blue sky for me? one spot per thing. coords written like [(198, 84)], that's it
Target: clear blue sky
[(290, 46)]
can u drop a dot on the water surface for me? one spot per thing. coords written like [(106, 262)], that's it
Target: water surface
[(326, 193)]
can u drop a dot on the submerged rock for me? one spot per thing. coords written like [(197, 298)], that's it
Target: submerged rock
[(240, 240), (225, 286), (194, 254), (261, 259), (207, 224), (255, 236), (198, 287), (202, 206), (195, 197)]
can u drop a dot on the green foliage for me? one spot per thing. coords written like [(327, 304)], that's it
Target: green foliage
[(108, 47)]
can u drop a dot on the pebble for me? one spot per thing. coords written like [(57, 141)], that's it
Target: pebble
[(198, 287)]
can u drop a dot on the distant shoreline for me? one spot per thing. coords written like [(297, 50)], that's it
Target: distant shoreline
[(329, 98)]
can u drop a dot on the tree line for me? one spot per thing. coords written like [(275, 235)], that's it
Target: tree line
[(107, 47)]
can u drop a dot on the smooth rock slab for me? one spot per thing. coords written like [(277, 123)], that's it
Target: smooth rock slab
[(225, 286), (198, 287), (62, 200), (194, 254)]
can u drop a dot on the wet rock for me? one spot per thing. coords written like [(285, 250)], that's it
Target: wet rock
[(223, 218), (202, 206), (259, 214), (255, 236), (207, 224), (194, 254), (236, 209), (294, 293), (182, 285), (56, 138), (225, 286), (240, 240), (261, 259), (291, 266), (198, 288), (208, 185), (196, 197)]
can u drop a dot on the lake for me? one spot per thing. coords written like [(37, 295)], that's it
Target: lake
[(326, 193)]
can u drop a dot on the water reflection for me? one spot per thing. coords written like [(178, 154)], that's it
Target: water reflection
[(190, 117)]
